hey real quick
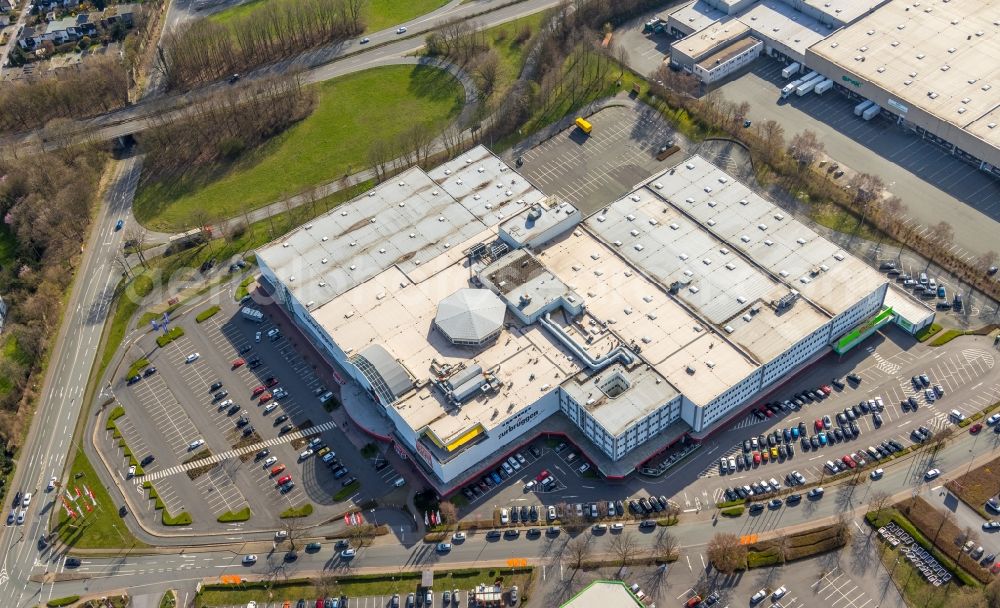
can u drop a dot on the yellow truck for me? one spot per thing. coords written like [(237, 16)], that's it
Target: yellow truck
[(584, 126)]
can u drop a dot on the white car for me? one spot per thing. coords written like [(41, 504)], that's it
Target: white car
[(197, 443), (401, 29), (251, 604), (306, 454), (249, 560), (281, 535), (365, 40), (584, 467), (504, 516), (348, 553), (779, 593), (26, 500), (21, 515), (192, 357), (225, 403), (617, 527), (758, 596), (270, 460), (933, 473), (995, 418), (458, 537), (877, 474), (52, 484), (256, 337), (270, 407), (131, 471)]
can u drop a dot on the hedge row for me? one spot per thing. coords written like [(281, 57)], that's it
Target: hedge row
[(172, 334), (303, 511), (230, 516), (63, 601), (207, 314)]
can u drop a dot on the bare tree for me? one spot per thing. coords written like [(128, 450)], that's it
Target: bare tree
[(449, 514), (487, 70), (665, 546), (771, 136), (361, 536), (943, 233), (577, 551), (625, 546), (992, 593), (878, 500), (726, 552), (805, 147), (570, 520), (135, 240)]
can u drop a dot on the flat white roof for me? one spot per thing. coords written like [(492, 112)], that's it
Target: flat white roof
[(398, 314), (777, 21), (714, 36), (940, 56), (695, 16), (405, 222), (640, 311), (604, 594)]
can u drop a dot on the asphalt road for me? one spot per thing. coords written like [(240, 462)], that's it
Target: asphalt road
[(318, 65), (388, 554), (49, 441)]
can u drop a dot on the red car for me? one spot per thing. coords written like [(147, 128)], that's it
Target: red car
[(996, 568), (283, 480), (271, 381), (277, 469), (756, 457), (541, 476), (975, 428), (319, 603), (265, 397), (258, 390), (238, 362), (849, 461), (819, 425), (765, 411), (694, 601), (826, 389)]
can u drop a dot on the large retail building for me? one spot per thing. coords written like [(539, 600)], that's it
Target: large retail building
[(471, 307)]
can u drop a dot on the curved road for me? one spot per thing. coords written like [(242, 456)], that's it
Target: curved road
[(317, 65)]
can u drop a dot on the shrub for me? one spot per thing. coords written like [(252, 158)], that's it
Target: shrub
[(63, 601), (182, 519), (347, 491), (229, 516), (924, 334), (116, 413), (303, 511), (136, 367), (733, 511), (172, 334), (206, 314)]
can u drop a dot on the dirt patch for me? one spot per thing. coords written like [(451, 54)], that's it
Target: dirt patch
[(302, 441), (978, 485), (797, 546), (252, 439), (197, 472)]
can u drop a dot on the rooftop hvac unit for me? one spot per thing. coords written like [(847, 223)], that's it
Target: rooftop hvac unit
[(478, 250), (499, 249)]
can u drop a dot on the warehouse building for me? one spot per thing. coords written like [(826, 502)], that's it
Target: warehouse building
[(931, 66), (472, 308), (938, 86)]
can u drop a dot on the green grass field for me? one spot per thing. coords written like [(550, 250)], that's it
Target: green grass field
[(382, 14), (99, 528), (352, 112), (379, 14)]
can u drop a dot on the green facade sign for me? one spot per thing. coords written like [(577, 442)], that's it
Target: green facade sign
[(848, 79)]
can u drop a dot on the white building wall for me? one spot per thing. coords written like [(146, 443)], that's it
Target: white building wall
[(498, 440), (727, 401), (867, 307), (802, 351), (718, 72)]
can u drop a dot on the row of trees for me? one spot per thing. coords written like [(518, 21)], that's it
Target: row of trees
[(97, 86), (223, 127), (208, 50), (45, 204), (626, 547)]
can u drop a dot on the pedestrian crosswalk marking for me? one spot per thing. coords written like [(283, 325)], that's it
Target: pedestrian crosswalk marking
[(215, 458)]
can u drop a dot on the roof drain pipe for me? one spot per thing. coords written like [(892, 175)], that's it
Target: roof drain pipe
[(619, 353)]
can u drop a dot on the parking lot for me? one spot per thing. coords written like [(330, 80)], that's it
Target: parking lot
[(251, 398), (589, 171), (965, 369)]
